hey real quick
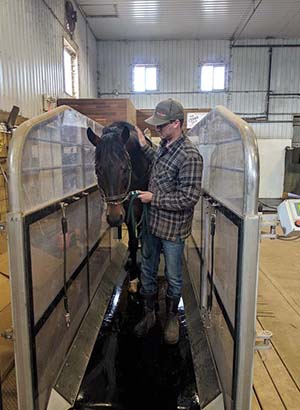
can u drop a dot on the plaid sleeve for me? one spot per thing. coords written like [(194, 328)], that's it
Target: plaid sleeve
[(188, 188)]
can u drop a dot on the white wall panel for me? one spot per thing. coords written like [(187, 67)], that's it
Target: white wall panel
[(249, 69), (31, 54), (248, 103), (285, 105), (273, 130), (271, 158), (286, 70)]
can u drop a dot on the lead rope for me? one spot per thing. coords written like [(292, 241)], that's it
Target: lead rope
[(64, 227), (212, 263), (143, 222)]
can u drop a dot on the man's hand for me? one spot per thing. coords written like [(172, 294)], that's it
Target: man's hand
[(141, 137), (145, 196)]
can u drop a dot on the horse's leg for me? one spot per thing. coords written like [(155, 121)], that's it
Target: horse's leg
[(134, 270)]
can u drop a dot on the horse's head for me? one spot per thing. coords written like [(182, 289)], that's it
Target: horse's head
[(113, 169)]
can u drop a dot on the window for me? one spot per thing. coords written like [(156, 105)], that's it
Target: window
[(212, 77), (70, 70), (144, 77)]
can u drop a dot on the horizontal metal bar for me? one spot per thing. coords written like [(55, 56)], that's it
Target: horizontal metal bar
[(264, 45), (40, 213)]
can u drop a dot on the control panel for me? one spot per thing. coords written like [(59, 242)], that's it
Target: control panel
[(289, 216)]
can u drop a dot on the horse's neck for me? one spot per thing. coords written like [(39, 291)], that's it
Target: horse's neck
[(136, 154), (139, 163)]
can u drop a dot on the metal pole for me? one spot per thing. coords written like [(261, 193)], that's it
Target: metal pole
[(269, 82)]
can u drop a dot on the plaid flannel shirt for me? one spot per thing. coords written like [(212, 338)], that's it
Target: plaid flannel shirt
[(176, 186)]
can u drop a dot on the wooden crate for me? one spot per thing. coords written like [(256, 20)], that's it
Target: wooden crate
[(4, 141), (103, 111)]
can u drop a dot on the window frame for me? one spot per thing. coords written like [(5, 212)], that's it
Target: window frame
[(214, 64), (146, 65), (71, 50)]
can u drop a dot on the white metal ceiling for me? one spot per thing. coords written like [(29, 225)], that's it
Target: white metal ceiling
[(192, 19)]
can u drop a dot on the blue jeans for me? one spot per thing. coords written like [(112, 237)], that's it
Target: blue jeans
[(173, 254)]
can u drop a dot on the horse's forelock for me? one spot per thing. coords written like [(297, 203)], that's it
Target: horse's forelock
[(110, 148)]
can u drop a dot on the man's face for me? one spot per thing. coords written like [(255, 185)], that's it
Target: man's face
[(166, 131)]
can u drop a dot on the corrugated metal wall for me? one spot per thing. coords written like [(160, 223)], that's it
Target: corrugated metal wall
[(178, 69), (31, 54), (179, 61)]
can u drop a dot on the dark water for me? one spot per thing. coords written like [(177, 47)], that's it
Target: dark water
[(125, 372)]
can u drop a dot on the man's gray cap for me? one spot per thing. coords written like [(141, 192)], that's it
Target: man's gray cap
[(166, 111)]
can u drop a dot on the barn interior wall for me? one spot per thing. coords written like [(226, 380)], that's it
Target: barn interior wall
[(31, 54), (246, 92), (178, 61)]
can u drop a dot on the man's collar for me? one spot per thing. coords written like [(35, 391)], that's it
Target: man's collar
[(164, 145)]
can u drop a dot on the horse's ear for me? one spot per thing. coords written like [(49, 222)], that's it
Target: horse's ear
[(93, 138), (125, 135)]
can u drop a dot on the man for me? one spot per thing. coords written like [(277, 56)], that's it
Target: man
[(174, 189)]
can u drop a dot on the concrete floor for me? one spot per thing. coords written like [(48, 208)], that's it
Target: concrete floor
[(277, 371)]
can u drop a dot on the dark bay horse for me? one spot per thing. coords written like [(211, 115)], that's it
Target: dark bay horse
[(121, 167)]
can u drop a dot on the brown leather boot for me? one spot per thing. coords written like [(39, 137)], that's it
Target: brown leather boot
[(149, 319), (171, 331)]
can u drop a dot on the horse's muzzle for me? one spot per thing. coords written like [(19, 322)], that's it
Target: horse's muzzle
[(115, 215)]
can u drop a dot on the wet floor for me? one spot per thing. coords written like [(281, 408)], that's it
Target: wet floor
[(128, 373)]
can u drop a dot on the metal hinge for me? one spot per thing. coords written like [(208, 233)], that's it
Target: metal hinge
[(8, 334), (263, 340)]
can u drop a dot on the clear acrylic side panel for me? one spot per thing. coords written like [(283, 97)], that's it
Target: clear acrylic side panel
[(193, 250), (225, 263), (230, 182), (97, 217), (221, 323), (223, 347), (46, 240), (103, 253), (194, 266), (223, 313), (230, 159), (221, 147), (54, 338), (54, 159), (98, 228)]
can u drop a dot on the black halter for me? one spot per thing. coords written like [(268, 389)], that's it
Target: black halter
[(120, 198)]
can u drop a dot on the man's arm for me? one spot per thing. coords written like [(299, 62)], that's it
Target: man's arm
[(146, 148)]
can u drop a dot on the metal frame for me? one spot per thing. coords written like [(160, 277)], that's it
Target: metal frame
[(20, 313), (247, 221), (19, 221), (25, 331)]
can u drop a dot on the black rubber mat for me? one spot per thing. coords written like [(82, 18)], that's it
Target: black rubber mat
[(126, 372)]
